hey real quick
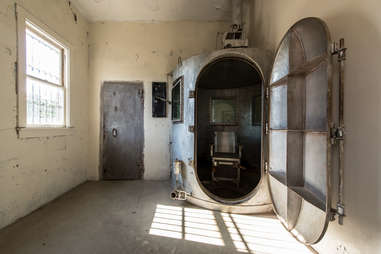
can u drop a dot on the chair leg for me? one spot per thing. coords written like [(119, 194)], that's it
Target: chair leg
[(238, 176), (213, 177)]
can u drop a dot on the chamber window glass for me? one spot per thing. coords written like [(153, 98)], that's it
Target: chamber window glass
[(223, 111), (177, 101)]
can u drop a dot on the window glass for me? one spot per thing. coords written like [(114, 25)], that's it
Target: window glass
[(45, 103), (177, 100), (45, 91), (43, 59), (223, 110)]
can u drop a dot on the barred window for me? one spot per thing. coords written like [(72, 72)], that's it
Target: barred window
[(45, 84)]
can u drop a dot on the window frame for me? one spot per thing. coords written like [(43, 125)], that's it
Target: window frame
[(27, 21), (178, 82)]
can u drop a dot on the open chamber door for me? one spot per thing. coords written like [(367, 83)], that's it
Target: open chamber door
[(299, 124)]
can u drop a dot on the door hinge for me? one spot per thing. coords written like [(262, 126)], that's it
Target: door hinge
[(192, 94), (339, 50), (339, 211), (266, 128), (337, 133), (267, 93), (191, 128), (266, 167)]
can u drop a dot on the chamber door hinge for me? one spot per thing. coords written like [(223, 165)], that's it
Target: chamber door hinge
[(191, 128), (192, 94), (337, 133), (267, 93), (266, 167), (267, 128), (339, 211), (339, 50)]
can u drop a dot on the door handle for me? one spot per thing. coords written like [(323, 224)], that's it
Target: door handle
[(114, 132)]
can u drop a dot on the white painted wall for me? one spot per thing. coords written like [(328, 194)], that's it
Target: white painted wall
[(37, 170), (359, 22), (142, 51), (155, 10)]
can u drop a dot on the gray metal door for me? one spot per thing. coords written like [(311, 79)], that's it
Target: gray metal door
[(299, 130), (123, 130)]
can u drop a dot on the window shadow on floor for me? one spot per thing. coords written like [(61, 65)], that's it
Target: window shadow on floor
[(247, 233)]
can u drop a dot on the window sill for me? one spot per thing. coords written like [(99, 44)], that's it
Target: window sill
[(44, 132)]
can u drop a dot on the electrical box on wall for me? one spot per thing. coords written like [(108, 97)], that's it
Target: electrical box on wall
[(159, 99)]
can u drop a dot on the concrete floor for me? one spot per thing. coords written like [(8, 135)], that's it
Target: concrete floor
[(138, 217)]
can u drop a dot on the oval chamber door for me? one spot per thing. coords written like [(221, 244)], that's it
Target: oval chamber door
[(299, 130)]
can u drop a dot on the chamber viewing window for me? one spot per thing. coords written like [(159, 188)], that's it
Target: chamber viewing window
[(223, 111), (177, 101)]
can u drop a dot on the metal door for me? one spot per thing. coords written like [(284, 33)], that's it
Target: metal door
[(123, 130), (299, 130)]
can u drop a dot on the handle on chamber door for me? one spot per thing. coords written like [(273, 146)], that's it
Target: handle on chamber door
[(114, 132)]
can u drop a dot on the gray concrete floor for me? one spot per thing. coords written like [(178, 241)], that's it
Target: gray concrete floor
[(138, 217)]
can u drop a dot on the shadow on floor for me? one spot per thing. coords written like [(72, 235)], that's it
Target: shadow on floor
[(138, 217)]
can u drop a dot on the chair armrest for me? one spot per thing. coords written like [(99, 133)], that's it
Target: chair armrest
[(211, 150)]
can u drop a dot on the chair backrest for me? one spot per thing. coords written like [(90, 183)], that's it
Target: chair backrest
[(225, 142)]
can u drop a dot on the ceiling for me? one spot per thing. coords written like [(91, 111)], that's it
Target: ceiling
[(154, 10)]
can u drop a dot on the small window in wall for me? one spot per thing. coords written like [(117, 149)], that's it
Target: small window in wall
[(257, 110), (43, 76), (223, 111), (177, 101)]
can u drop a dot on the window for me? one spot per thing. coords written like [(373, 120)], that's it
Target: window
[(177, 101), (43, 76), (45, 90), (223, 111)]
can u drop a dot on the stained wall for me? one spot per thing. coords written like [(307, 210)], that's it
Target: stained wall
[(145, 51), (34, 171), (359, 22)]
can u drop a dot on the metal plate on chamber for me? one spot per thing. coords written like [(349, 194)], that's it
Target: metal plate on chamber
[(299, 124)]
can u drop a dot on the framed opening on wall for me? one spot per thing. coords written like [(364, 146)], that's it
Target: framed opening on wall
[(178, 100), (223, 111)]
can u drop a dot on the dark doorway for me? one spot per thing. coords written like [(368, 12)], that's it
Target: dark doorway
[(123, 130), (229, 127)]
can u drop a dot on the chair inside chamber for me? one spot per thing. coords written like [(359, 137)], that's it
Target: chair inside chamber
[(229, 127)]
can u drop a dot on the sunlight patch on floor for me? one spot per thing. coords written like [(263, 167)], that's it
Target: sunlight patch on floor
[(191, 224), (249, 234), (253, 234)]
